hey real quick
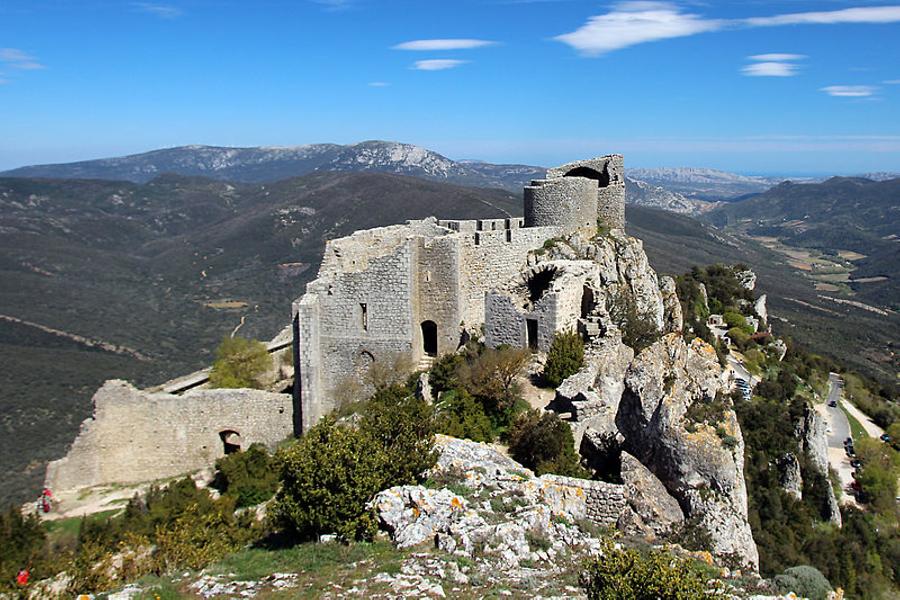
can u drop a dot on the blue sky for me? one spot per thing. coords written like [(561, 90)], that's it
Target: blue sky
[(796, 87)]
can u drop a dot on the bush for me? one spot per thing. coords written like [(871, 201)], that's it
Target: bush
[(240, 363), (625, 574), (639, 331), (805, 581), (250, 477), (565, 358), (544, 443), (331, 473), (444, 374), (491, 379), (460, 415)]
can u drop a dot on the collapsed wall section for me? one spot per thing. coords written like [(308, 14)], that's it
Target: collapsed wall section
[(609, 174), (136, 436)]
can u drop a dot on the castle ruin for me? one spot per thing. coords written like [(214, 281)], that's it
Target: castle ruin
[(423, 288)]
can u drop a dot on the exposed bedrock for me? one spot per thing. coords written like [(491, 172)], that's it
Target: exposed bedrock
[(700, 465)]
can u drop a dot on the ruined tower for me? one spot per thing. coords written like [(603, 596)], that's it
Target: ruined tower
[(579, 196)]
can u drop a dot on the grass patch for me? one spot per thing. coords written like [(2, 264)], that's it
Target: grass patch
[(64, 532), (857, 431), (321, 564)]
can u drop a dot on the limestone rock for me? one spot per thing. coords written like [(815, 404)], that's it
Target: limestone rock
[(414, 514), (815, 444), (655, 510), (789, 475), (478, 465), (759, 307), (673, 321), (697, 468), (747, 279)]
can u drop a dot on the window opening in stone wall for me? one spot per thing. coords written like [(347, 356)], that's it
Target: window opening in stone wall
[(429, 338), (587, 302), (539, 283), (364, 316), (602, 179), (531, 330), (477, 239), (509, 235), (231, 441)]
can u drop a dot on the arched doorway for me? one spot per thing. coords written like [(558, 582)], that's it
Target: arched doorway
[(231, 441), (587, 302), (429, 338)]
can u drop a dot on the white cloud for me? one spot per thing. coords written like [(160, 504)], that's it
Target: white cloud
[(770, 69), (17, 59), (777, 57), (163, 11), (443, 44), (632, 23), (850, 91), (772, 65), (862, 14), (891, 82), (335, 5), (437, 64), (379, 84)]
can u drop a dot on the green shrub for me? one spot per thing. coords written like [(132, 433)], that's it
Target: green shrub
[(490, 377), (250, 477), (240, 363), (461, 416), (544, 443), (331, 473), (444, 374), (564, 359), (805, 581), (639, 331), (626, 574)]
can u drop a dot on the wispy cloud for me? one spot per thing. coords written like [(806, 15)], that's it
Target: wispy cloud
[(862, 14), (775, 56), (891, 82), (772, 65), (379, 84), (850, 91), (18, 59), (163, 11), (444, 44), (632, 23), (437, 64), (335, 5)]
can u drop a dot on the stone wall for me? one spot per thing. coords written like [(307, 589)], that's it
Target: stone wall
[(135, 436), (609, 173), (602, 503)]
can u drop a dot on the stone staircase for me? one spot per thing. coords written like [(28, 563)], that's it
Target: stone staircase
[(425, 363)]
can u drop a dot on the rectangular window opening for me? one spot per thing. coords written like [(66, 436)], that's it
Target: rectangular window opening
[(364, 315)]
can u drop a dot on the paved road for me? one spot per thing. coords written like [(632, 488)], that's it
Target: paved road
[(840, 430)]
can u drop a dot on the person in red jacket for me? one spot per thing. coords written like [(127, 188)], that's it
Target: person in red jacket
[(22, 578)]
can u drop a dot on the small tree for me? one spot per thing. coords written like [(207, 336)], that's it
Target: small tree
[(491, 378), (638, 330), (240, 363), (565, 358), (626, 574), (460, 415), (544, 443), (249, 477)]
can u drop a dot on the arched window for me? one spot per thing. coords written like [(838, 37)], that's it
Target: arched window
[(429, 338)]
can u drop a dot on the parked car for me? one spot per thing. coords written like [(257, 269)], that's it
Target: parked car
[(856, 463), (885, 438), (832, 403), (848, 441), (850, 451)]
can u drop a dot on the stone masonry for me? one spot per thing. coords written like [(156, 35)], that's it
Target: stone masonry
[(421, 289)]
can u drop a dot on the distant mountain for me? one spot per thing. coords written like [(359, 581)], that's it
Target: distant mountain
[(880, 175), (705, 184), (262, 164)]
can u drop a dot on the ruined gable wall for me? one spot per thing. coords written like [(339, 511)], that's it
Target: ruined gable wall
[(136, 436), (490, 259)]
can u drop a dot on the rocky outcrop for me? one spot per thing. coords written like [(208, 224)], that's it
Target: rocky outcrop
[(652, 511), (759, 307), (701, 466), (673, 321), (814, 442), (789, 475)]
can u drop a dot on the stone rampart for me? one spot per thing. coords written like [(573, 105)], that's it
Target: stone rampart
[(598, 501), (136, 436), (569, 203)]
